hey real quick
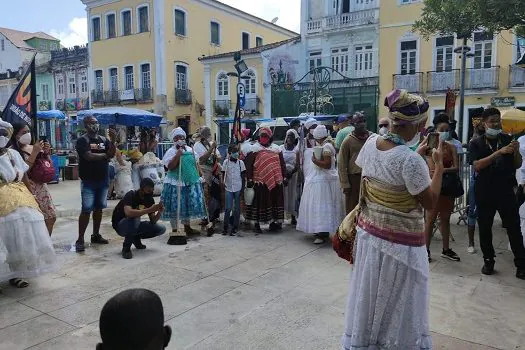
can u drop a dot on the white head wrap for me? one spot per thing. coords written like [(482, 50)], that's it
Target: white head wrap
[(320, 132), (177, 132), (293, 132), (7, 126), (310, 122)]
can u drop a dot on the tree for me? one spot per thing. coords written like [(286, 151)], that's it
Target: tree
[(463, 17)]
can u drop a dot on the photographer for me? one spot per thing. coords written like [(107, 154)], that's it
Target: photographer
[(495, 159)]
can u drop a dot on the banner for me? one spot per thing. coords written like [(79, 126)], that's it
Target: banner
[(450, 104), (21, 106)]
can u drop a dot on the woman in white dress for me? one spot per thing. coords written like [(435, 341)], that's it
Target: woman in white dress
[(25, 247), (290, 151), (321, 209), (388, 294)]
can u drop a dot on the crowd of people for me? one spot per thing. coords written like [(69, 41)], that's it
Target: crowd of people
[(379, 194)]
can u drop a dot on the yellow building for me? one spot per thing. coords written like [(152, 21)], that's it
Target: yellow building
[(430, 67), (144, 53)]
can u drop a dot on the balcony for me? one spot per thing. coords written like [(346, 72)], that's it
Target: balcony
[(482, 78), (410, 82), (221, 108), (343, 21), (111, 97), (517, 77), (183, 96), (251, 106), (440, 82), (144, 95), (97, 96)]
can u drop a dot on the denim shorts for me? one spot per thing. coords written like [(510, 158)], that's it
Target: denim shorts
[(94, 196)]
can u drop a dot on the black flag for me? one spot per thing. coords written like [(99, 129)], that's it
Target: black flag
[(21, 106)]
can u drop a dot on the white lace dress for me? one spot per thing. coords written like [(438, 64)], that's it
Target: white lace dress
[(321, 208), (388, 294), (25, 247)]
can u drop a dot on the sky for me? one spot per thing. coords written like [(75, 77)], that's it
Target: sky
[(66, 19)]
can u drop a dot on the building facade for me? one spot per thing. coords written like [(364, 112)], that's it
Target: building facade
[(145, 54), (431, 67)]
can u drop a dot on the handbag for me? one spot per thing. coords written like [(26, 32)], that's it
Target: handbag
[(43, 170), (451, 185)]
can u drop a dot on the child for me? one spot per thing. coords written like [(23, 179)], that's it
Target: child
[(133, 319), (234, 174)]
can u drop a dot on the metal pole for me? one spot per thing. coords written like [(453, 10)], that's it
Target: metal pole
[(462, 87), (315, 92)]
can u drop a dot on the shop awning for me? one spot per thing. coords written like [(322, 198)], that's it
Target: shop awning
[(52, 114)]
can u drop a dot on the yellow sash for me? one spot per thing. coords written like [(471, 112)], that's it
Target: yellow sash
[(15, 195)]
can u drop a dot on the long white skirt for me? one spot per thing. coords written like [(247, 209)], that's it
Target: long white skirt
[(388, 298), (26, 250), (290, 196), (321, 208)]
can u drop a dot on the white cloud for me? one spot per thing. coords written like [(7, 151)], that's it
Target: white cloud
[(75, 34), (288, 11)]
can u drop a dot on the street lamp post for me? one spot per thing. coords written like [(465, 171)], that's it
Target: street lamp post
[(464, 51)]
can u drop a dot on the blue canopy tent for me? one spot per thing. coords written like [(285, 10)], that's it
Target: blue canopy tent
[(52, 114), (122, 116)]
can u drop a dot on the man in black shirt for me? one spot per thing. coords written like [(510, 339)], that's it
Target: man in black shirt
[(127, 213), (94, 153), (495, 158)]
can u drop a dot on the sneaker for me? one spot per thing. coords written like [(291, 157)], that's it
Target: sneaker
[(80, 246), (138, 244), (233, 233), (318, 241), (126, 253), (471, 249), (520, 273), (98, 239), (450, 255), (488, 267)]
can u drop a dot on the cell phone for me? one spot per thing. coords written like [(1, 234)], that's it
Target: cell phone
[(433, 141), (43, 138)]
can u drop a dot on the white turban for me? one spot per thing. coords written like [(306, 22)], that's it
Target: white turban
[(320, 132), (310, 122), (7, 126), (177, 132), (292, 132)]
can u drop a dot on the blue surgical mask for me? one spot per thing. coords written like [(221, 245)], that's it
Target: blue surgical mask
[(492, 133), (444, 135)]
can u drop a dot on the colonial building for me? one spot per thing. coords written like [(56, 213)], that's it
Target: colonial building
[(431, 67), (145, 54)]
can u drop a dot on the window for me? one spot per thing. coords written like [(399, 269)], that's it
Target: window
[(215, 33), (143, 19), (340, 60), (408, 57), (146, 75), (249, 81), (482, 50), (346, 6), (113, 79), (444, 53), (364, 60), (245, 41), (180, 22), (2, 44), (99, 81), (315, 60), (72, 85), (53, 46), (223, 85), (60, 86), (181, 77), (407, 1), (45, 92), (111, 31), (258, 41), (95, 23), (128, 78), (83, 83), (126, 22)]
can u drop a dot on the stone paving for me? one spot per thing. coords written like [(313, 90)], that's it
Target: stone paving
[(273, 291)]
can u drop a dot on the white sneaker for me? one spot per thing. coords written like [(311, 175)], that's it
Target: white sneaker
[(318, 241), (471, 250)]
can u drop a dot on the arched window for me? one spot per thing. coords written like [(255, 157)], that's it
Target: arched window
[(223, 86), (250, 81)]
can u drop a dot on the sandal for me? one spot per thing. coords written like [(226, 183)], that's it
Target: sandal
[(18, 283)]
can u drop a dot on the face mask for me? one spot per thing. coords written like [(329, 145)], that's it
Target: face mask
[(264, 140), (383, 131), (25, 139), (3, 141), (414, 143), (444, 135), (180, 143), (235, 155), (492, 133), (94, 128)]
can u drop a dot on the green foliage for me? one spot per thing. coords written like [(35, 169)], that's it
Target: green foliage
[(463, 17)]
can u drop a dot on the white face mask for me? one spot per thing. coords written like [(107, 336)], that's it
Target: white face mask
[(3, 141), (25, 139), (383, 131), (180, 143)]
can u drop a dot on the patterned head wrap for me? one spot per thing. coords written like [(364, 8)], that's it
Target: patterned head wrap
[(320, 132), (6, 126), (265, 130), (406, 108), (177, 132)]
